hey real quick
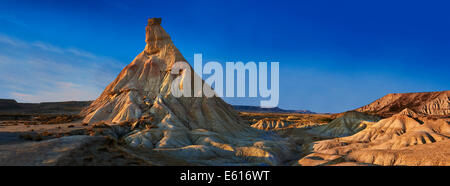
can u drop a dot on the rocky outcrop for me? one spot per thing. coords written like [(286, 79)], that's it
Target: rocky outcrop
[(266, 124), (402, 139), (244, 108), (348, 124), (77, 150), (203, 130), (425, 103), (10, 106)]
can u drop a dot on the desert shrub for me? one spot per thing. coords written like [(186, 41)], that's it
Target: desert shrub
[(126, 123), (32, 137), (57, 119)]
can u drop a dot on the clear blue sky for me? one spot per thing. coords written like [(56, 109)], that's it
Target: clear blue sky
[(334, 55)]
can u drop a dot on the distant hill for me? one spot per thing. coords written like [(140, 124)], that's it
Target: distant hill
[(10, 106), (424, 103), (243, 108), (72, 107), (405, 139)]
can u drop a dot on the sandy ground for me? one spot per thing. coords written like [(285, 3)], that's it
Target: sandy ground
[(10, 131), (66, 146)]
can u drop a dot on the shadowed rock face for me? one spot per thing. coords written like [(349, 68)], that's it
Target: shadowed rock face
[(195, 128), (270, 124), (426, 103)]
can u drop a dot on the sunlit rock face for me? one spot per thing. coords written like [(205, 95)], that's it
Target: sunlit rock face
[(265, 124), (424, 103), (405, 138), (199, 129)]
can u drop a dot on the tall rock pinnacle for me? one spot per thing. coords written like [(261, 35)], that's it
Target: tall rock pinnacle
[(207, 126), (156, 36)]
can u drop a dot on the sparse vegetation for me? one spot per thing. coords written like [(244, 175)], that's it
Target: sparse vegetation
[(57, 119), (100, 124), (31, 137)]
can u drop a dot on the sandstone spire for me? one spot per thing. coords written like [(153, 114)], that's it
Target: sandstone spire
[(202, 125), (156, 36), (139, 83)]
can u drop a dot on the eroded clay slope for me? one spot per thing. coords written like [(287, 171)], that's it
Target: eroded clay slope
[(403, 139), (425, 103)]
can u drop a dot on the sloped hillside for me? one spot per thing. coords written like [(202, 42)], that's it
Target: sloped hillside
[(346, 125), (402, 139), (426, 103)]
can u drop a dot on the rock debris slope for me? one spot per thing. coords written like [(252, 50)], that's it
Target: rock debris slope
[(198, 129)]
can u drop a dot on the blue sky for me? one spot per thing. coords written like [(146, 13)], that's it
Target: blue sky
[(334, 55)]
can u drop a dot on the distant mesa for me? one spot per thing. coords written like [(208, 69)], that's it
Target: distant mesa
[(424, 103), (244, 108), (8, 104), (348, 124)]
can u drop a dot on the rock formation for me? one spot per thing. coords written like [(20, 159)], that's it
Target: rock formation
[(425, 103), (402, 139), (266, 124), (201, 129), (244, 108), (348, 124), (79, 150)]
